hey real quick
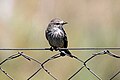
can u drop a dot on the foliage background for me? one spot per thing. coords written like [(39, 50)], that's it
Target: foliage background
[(92, 23)]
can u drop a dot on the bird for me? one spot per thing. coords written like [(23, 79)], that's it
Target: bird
[(56, 36)]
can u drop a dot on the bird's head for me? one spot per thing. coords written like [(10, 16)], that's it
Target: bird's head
[(56, 22)]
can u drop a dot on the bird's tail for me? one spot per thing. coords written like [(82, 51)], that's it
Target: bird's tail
[(66, 52)]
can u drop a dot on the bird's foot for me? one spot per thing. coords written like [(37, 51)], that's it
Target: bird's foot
[(51, 48), (55, 48)]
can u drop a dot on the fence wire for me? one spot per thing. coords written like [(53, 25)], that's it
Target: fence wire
[(41, 65)]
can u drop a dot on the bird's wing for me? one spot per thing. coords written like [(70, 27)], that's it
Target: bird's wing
[(65, 41), (65, 38)]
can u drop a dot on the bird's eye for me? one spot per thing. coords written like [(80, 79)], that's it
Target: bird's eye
[(57, 23)]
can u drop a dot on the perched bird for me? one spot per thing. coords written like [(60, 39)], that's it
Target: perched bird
[(57, 37)]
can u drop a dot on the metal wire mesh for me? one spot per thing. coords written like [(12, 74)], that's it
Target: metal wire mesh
[(41, 65)]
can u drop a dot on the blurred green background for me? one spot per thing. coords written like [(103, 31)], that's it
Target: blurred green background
[(91, 23)]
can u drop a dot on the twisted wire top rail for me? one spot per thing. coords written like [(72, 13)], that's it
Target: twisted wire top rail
[(86, 48)]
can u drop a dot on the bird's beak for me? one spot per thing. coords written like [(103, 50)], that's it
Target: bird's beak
[(65, 23)]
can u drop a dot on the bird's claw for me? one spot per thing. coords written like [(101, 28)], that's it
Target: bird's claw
[(51, 48)]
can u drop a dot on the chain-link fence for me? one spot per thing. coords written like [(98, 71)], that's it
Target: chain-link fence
[(105, 51)]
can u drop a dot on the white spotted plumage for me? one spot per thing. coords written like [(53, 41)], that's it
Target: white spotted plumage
[(55, 37), (57, 32)]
